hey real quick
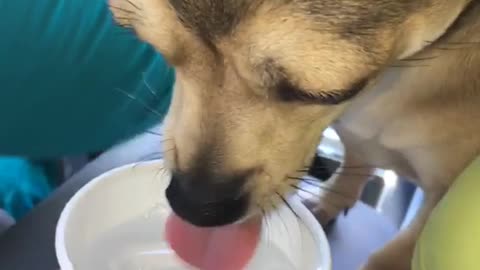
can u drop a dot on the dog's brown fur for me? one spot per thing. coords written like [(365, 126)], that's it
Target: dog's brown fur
[(259, 80)]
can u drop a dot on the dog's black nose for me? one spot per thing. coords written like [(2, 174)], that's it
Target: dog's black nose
[(208, 202)]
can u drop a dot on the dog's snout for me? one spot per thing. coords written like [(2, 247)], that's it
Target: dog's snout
[(210, 188), (209, 202)]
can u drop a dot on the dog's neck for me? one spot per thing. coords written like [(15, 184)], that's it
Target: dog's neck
[(427, 27)]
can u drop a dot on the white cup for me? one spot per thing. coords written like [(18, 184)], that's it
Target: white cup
[(116, 222)]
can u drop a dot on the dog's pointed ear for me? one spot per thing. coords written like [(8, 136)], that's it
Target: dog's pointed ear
[(428, 24), (152, 21)]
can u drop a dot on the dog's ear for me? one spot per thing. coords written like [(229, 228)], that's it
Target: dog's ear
[(153, 21), (426, 23), (409, 24)]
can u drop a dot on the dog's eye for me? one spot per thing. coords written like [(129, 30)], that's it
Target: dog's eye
[(287, 92)]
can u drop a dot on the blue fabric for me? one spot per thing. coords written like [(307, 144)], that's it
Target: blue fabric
[(62, 65), (64, 70), (23, 184)]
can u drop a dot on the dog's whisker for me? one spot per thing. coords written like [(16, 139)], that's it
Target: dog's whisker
[(127, 19), (445, 48), (356, 166), (126, 26), (464, 42), (267, 221), (285, 201), (133, 4), (152, 156), (169, 150), (124, 29), (327, 189), (325, 201), (134, 167), (416, 59), (284, 225), (316, 184), (306, 169), (282, 198), (353, 174), (149, 87), (166, 140), (143, 104), (408, 66), (162, 170), (348, 174), (473, 42), (122, 9), (153, 133), (328, 173)]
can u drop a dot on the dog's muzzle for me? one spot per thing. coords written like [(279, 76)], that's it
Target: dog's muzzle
[(208, 203)]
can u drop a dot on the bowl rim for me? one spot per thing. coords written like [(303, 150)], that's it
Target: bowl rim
[(300, 210)]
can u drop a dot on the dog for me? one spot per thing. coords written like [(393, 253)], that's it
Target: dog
[(259, 80)]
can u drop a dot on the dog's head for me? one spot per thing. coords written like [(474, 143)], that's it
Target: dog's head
[(259, 80)]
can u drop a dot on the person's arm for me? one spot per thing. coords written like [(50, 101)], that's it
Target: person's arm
[(451, 237), (63, 70)]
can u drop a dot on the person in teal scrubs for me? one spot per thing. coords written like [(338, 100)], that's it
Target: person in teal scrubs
[(71, 82)]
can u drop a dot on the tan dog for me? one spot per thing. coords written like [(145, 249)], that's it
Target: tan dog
[(259, 80)]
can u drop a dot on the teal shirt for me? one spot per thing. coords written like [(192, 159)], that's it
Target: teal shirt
[(66, 74), (62, 65)]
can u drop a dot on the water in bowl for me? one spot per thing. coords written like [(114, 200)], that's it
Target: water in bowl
[(140, 245)]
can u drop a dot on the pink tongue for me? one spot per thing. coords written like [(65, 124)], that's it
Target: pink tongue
[(223, 248)]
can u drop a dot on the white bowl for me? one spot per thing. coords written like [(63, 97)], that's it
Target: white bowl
[(116, 222)]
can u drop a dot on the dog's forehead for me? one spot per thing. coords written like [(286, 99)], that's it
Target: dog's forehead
[(214, 18), (211, 18)]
